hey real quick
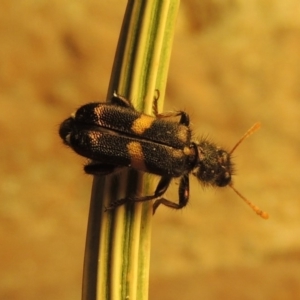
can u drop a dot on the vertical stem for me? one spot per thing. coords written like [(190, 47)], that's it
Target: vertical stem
[(118, 242)]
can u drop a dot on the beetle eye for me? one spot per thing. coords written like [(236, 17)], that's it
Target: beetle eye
[(224, 179)]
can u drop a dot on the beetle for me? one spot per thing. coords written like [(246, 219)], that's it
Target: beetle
[(114, 134)]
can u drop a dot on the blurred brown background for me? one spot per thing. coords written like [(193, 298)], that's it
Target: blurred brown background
[(234, 62)]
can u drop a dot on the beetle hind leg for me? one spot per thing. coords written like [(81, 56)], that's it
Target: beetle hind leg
[(160, 190), (99, 169)]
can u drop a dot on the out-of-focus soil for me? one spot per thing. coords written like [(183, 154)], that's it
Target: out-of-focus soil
[(234, 62)]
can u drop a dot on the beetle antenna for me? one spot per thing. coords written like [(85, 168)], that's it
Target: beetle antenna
[(261, 213), (256, 209), (251, 130)]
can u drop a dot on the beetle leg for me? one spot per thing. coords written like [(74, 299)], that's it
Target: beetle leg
[(99, 169), (161, 188), (154, 107), (120, 101), (183, 192), (184, 117)]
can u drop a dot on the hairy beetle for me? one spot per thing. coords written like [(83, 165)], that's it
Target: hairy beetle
[(114, 135)]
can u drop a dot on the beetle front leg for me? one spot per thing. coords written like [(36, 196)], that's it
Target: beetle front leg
[(183, 192)]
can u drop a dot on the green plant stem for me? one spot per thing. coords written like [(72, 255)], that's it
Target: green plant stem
[(118, 242)]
